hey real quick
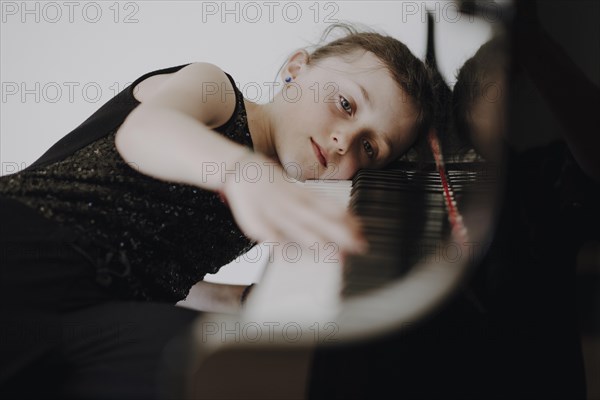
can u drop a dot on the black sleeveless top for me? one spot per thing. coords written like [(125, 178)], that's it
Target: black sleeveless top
[(148, 239)]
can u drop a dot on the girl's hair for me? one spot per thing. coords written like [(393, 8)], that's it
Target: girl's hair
[(408, 71)]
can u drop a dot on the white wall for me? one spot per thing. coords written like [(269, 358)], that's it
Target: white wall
[(49, 47)]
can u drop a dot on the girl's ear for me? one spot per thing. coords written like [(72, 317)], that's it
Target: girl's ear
[(295, 64)]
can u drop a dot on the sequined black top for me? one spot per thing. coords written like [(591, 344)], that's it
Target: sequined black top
[(148, 239)]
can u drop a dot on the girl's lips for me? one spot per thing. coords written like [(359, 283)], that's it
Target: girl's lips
[(319, 153)]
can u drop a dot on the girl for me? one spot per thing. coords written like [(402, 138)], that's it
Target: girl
[(168, 181)]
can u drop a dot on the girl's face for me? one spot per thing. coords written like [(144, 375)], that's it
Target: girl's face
[(339, 116)]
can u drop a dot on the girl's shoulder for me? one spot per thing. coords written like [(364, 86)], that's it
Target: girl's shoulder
[(200, 89)]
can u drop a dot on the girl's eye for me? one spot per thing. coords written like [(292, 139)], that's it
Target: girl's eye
[(368, 148), (346, 105)]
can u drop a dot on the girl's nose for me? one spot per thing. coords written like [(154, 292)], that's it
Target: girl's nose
[(337, 143), (342, 141)]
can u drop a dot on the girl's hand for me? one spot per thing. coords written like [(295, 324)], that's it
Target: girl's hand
[(268, 205)]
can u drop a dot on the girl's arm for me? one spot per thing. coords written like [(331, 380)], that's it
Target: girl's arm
[(169, 137)]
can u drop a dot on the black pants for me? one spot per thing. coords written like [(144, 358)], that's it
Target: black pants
[(64, 336)]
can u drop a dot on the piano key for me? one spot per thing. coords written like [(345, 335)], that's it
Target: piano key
[(405, 220)]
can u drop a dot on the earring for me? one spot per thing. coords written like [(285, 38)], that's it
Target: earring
[(288, 79)]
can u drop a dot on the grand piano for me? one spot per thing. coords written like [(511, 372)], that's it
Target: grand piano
[(429, 223)]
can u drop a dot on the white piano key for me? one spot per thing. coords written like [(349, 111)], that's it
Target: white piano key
[(283, 289)]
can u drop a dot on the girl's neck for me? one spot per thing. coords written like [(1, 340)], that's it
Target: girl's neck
[(261, 128)]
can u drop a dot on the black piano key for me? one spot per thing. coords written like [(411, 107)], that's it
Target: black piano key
[(405, 219)]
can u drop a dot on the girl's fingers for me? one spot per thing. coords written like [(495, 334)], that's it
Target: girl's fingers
[(332, 221), (305, 222), (284, 211), (345, 234)]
